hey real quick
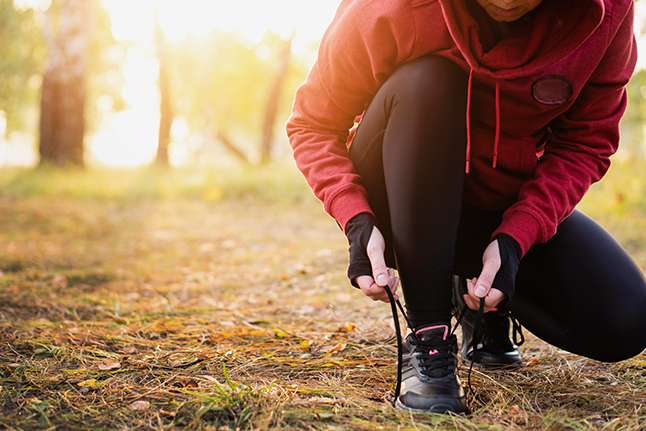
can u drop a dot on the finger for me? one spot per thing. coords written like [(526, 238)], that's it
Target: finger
[(471, 303), (493, 299), (371, 289), (485, 280), (393, 283), (375, 252)]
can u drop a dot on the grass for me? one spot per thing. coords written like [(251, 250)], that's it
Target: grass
[(216, 300)]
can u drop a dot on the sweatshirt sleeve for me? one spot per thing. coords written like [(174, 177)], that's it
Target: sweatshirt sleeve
[(578, 152), (359, 50)]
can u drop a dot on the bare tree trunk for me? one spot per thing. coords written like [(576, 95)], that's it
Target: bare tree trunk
[(166, 117), (62, 106), (271, 109), (229, 145)]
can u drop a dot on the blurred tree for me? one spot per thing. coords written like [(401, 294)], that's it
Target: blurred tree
[(166, 112), (273, 100), (223, 80), (63, 97), (22, 53), (81, 49)]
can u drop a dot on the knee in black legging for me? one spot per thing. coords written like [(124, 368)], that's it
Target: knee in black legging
[(429, 83), (624, 335)]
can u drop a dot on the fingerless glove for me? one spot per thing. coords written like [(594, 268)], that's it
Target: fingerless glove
[(358, 231), (510, 254)]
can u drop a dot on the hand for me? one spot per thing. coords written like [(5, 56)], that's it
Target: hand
[(481, 287), (373, 286)]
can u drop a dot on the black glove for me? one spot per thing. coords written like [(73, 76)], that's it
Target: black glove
[(510, 254), (358, 231)]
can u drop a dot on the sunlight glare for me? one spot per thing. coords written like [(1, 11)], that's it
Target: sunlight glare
[(129, 138), (37, 5)]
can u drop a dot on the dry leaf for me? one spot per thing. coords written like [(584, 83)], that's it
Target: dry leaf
[(109, 365), (305, 345), (188, 383), (337, 348), (128, 350), (166, 413), (59, 281), (514, 409), (90, 383), (140, 405), (280, 333)]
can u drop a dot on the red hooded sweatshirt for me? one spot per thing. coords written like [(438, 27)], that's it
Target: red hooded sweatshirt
[(543, 108)]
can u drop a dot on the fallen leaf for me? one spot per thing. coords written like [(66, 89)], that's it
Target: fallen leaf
[(337, 348), (305, 345), (140, 405), (59, 281), (533, 362), (109, 365), (514, 409), (188, 383), (166, 413), (128, 350), (90, 383), (280, 334)]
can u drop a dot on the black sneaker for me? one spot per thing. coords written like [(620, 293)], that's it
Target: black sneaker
[(494, 348), (429, 373)]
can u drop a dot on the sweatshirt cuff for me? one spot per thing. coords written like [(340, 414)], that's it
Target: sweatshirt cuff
[(348, 204), (523, 227)]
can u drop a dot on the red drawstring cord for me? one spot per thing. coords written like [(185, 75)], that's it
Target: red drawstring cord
[(497, 136), (469, 119), (497, 140)]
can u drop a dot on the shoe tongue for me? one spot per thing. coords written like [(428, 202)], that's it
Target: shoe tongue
[(436, 332)]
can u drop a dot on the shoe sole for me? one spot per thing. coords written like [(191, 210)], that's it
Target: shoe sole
[(438, 408), (492, 365)]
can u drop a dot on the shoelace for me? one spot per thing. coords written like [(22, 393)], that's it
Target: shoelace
[(442, 361), (400, 353), (517, 337), (476, 342), (499, 329)]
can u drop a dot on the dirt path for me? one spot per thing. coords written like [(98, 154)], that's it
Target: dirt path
[(233, 314)]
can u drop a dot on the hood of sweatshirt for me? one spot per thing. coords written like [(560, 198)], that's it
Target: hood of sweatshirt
[(536, 41), (542, 37)]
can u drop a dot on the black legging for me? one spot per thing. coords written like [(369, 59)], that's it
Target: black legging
[(580, 291)]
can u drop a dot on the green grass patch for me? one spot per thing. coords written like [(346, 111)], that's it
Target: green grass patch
[(207, 184)]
